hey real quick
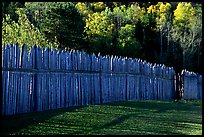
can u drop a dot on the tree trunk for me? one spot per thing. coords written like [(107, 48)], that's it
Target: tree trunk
[(184, 60), (161, 48)]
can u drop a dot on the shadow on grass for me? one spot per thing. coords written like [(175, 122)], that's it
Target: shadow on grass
[(162, 114), (16, 122), (124, 117), (160, 106)]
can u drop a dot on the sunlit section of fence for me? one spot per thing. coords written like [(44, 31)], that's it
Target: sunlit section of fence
[(192, 85), (44, 79)]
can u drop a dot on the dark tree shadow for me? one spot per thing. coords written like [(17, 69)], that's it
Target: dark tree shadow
[(16, 122)]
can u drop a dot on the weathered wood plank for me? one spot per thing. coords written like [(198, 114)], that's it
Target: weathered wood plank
[(44, 92), (9, 94), (88, 89), (18, 92), (32, 88), (68, 88), (57, 90), (71, 92), (21, 95), (24, 57), (3, 83), (199, 86), (62, 86), (27, 92), (58, 81), (82, 89), (76, 87), (15, 93), (6, 93)]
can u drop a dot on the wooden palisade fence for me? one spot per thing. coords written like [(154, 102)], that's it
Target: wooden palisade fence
[(192, 85), (45, 79)]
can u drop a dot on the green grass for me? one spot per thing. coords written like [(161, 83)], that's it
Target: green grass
[(118, 118)]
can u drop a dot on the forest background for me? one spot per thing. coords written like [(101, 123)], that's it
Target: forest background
[(167, 33)]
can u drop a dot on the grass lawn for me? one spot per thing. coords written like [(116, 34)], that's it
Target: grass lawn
[(118, 118)]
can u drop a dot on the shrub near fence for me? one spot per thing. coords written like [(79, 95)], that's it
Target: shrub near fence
[(192, 85), (45, 79)]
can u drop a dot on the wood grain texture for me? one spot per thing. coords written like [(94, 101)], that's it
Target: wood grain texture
[(44, 79)]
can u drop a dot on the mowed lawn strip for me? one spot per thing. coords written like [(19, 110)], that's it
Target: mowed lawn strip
[(115, 118)]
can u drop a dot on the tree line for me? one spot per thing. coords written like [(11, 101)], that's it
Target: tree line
[(169, 33)]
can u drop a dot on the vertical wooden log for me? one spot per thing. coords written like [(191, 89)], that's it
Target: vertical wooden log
[(22, 94), (3, 93), (107, 87), (33, 60), (70, 92), (49, 79), (154, 82), (43, 92), (12, 59), (18, 93), (120, 88), (50, 82), (7, 57), (14, 83), (159, 83), (163, 82), (47, 75), (167, 83), (134, 84), (77, 88), (103, 87), (137, 88), (95, 83), (98, 89), (40, 80), (17, 56), (10, 107), (124, 79), (84, 89), (82, 59), (87, 89), (199, 86), (67, 86), (100, 78), (25, 93), (117, 87), (62, 89), (32, 93), (28, 92), (57, 81), (7, 93), (130, 86), (72, 99), (194, 86), (91, 79)]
